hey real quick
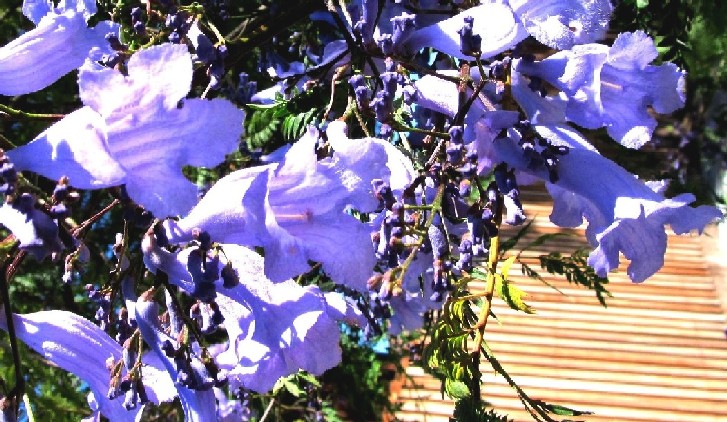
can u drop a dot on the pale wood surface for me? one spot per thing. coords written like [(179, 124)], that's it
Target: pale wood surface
[(658, 352)]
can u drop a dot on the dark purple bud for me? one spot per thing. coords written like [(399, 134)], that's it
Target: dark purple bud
[(203, 238), (382, 192), (383, 106), (139, 28), (111, 60), (439, 242), (60, 192), (404, 25), (454, 154), (8, 176), (385, 131), (175, 38), (245, 88), (362, 91), (411, 94), (58, 211), (114, 42), (455, 134), (391, 81), (385, 44), (136, 13), (471, 44), (168, 349), (230, 278)]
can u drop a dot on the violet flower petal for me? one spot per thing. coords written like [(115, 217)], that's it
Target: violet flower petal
[(562, 24), (74, 147), (135, 131), (613, 86), (60, 43), (35, 230)]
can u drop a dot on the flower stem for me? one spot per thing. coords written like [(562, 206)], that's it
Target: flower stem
[(494, 255), (267, 410), (6, 273), (10, 112), (436, 206)]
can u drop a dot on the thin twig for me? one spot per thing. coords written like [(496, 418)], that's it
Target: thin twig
[(267, 410), (10, 112), (94, 218), (6, 269)]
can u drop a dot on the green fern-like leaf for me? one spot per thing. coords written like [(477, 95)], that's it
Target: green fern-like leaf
[(576, 270), (261, 128)]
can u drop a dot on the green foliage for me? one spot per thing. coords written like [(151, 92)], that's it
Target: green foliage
[(512, 295), (576, 270), (294, 125), (446, 355), (270, 126), (667, 21), (263, 124)]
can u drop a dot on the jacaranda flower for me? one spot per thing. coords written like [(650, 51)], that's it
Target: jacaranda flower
[(624, 214), (60, 42), (138, 130), (296, 209), (613, 86)]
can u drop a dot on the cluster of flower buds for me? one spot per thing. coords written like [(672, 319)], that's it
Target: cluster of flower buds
[(126, 377), (8, 175), (119, 51), (103, 300), (136, 21), (192, 372)]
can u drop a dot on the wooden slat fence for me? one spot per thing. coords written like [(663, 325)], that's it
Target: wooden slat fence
[(658, 352)]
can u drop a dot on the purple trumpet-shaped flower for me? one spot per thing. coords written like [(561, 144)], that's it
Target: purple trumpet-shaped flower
[(275, 329), (296, 209), (137, 130), (613, 86), (82, 348), (59, 43), (624, 214)]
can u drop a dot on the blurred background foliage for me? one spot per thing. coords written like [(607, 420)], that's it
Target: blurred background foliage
[(691, 151)]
